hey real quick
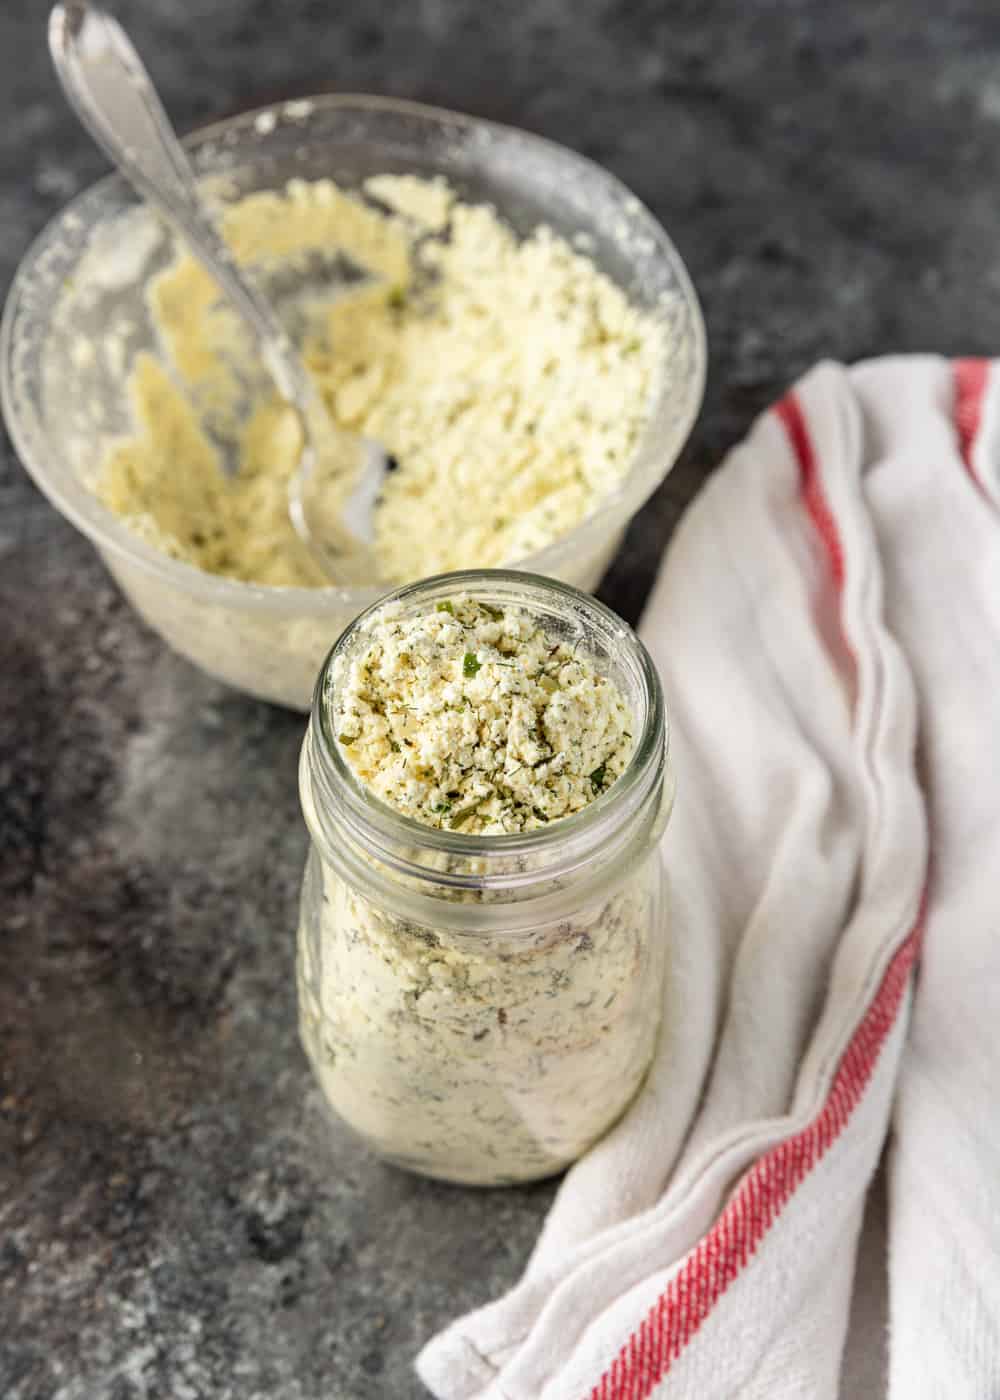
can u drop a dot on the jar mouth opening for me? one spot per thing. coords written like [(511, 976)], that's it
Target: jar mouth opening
[(410, 846)]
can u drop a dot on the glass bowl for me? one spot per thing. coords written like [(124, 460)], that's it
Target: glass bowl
[(76, 316)]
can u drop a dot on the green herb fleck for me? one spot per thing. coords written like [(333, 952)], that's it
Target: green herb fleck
[(542, 817), (470, 664), (347, 739), (445, 607), (597, 778), (495, 613), (464, 813), (442, 808)]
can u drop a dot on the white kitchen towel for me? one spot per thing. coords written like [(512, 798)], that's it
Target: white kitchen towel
[(827, 626)]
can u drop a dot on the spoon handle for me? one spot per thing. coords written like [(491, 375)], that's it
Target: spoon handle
[(113, 95)]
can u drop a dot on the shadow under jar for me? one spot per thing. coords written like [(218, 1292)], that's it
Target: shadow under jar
[(482, 1008)]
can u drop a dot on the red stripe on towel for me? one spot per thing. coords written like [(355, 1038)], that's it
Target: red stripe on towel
[(970, 378), (756, 1203)]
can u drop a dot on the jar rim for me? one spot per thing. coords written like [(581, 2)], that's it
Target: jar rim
[(556, 848)]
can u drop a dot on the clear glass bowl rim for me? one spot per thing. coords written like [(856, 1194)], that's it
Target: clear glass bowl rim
[(79, 505)]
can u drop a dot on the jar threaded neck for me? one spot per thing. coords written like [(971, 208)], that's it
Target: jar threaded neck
[(353, 826)]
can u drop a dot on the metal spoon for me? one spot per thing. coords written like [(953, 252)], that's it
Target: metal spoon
[(113, 95)]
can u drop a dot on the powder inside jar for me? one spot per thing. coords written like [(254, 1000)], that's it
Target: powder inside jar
[(476, 718)]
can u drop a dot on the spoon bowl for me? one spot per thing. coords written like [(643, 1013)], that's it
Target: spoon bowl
[(111, 92)]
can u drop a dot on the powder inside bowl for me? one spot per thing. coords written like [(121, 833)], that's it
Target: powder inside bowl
[(508, 379)]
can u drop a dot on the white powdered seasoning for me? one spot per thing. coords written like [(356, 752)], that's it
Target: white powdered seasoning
[(509, 378), (475, 718), (485, 1058)]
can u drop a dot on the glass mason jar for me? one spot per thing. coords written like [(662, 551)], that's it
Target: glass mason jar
[(482, 1008)]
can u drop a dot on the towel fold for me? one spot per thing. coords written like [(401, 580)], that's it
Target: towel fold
[(827, 627)]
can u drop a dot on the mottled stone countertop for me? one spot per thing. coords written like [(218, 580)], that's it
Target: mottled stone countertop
[(176, 1220)]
